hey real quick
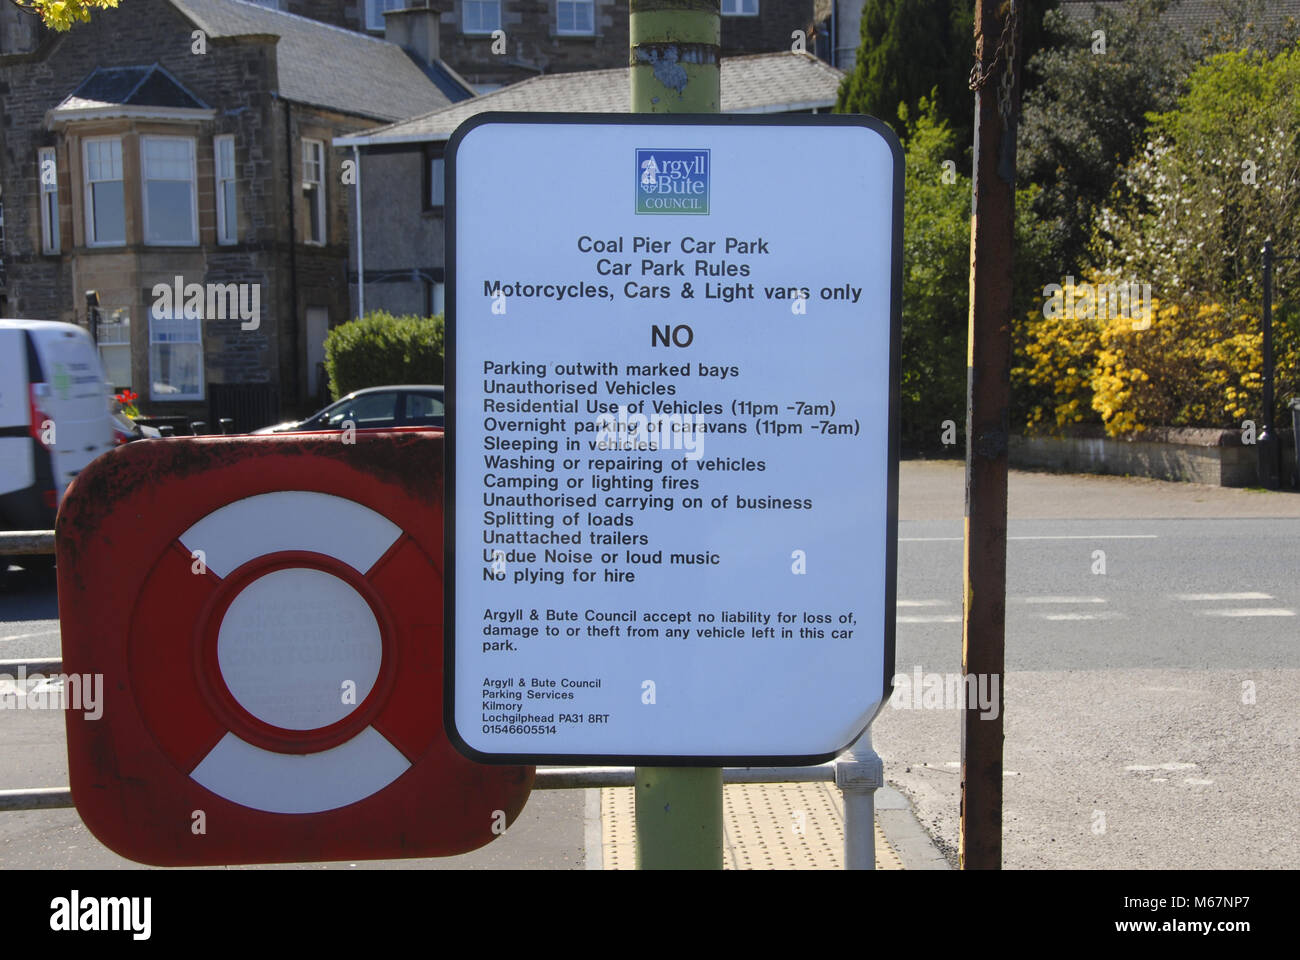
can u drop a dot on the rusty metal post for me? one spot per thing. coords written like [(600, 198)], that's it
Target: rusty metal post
[(984, 561)]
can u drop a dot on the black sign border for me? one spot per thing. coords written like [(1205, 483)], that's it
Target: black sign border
[(449, 468)]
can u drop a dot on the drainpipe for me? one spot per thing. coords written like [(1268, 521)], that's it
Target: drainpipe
[(290, 180), (361, 252)]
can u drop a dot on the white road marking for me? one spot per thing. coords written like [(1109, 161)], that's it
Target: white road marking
[(1064, 600), (28, 636), (1072, 536), (1082, 616), (1248, 612), (922, 603), (1198, 783), (1142, 768), (944, 618), (1197, 597)]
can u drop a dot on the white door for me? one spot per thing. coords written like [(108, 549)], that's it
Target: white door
[(318, 325)]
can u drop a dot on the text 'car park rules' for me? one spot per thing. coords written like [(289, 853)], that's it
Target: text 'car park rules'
[(671, 360)]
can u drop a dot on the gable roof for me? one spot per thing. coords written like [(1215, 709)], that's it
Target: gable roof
[(326, 66), (759, 83)]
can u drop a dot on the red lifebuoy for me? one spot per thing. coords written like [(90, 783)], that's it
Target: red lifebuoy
[(267, 615)]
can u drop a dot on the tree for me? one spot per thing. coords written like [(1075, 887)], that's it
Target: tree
[(908, 49), (1083, 121), (936, 271), (912, 49), (62, 14), (1219, 175), (1090, 92)]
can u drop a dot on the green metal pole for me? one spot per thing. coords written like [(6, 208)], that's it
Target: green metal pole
[(674, 56), (674, 69)]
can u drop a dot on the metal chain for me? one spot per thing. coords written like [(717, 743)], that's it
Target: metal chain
[(1006, 45), (1008, 80)]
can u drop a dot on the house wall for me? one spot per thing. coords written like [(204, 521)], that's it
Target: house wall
[(237, 77), (403, 240), (771, 30), (19, 31), (533, 45)]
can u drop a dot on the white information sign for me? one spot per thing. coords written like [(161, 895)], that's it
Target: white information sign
[(672, 456)]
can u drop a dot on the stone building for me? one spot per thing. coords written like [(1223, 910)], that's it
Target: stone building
[(167, 180), (560, 36)]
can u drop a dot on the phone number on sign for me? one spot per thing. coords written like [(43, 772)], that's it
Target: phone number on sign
[(517, 728)]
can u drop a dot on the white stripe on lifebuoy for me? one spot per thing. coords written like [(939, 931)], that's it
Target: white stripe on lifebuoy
[(300, 782), (291, 520)]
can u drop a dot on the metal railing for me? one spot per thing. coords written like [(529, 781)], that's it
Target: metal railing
[(858, 772), (26, 543)]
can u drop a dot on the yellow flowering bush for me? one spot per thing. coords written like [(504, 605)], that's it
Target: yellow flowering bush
[(1179, 366)]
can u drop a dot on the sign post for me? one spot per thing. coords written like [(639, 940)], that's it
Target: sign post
[(674, 56), (673, 475)]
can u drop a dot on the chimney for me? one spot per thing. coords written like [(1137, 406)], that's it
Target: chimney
[(415, 29)]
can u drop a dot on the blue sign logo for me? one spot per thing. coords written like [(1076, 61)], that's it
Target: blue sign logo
[(672, 181)]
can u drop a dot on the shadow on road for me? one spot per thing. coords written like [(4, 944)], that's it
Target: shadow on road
[(28, 595)]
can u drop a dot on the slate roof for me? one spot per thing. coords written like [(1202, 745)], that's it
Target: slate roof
[(1192, 17), (144, 86), (327, 66), (759, 83)]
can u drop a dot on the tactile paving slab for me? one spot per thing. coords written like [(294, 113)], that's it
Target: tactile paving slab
[(767, 826)]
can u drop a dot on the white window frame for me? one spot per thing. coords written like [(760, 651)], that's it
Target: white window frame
[(179, 312), (49, 194), (375, 10), (317, 197), (90, 195), (145, 139), (478, 4), (737, 8), (106, 339), (574, 32), (227, 233)]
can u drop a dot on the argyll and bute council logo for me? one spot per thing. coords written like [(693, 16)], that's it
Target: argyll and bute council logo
[(672, 181)]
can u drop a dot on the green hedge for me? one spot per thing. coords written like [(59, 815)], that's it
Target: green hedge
[(380, 349)]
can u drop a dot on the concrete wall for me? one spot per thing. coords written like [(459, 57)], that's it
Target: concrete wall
[(1215, 457)]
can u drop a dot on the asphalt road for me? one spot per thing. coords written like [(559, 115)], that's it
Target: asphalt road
[(1152, 710)]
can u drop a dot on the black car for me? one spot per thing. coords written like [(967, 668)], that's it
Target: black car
[(406, 405)]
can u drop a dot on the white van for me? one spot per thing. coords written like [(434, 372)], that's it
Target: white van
[(54, 418)]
